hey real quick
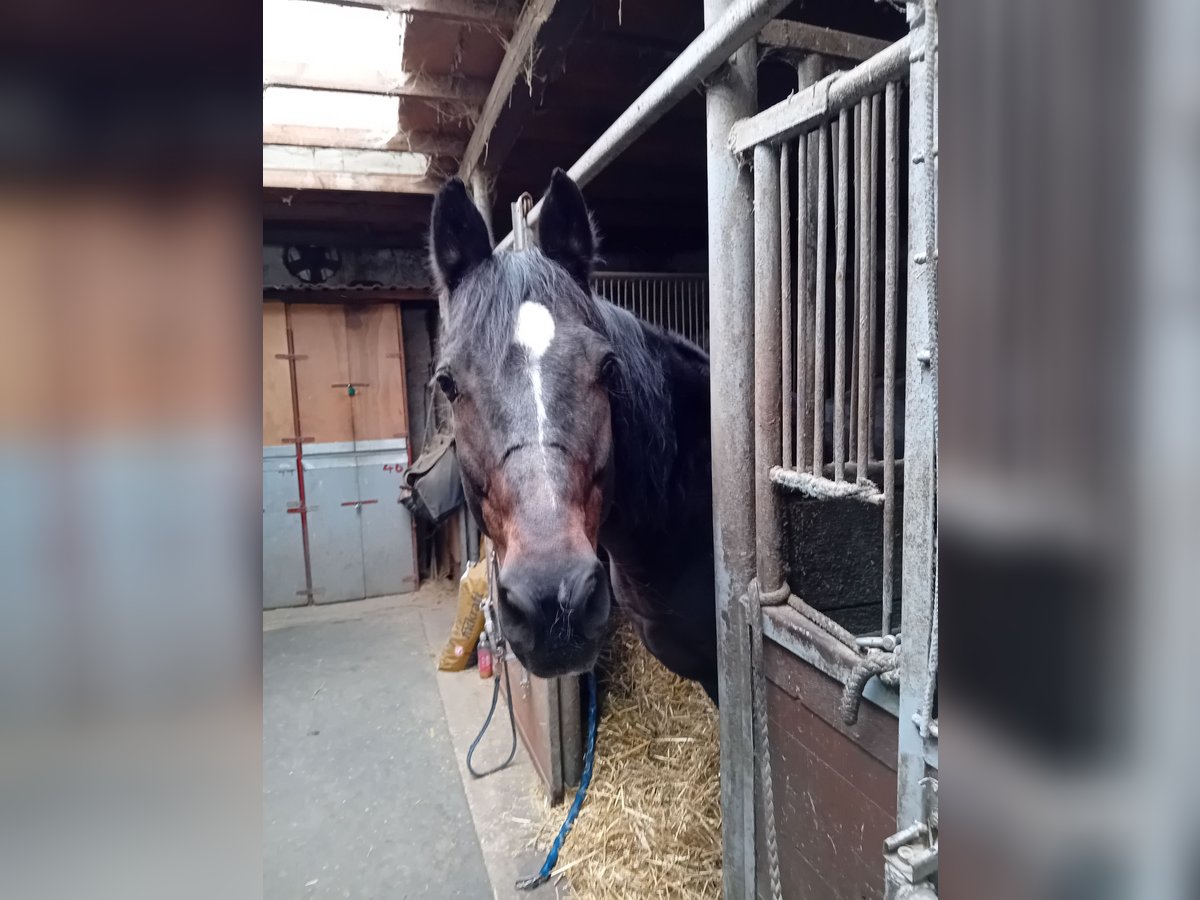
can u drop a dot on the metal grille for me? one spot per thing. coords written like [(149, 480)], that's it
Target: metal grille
[(674, 302), (829, 363)]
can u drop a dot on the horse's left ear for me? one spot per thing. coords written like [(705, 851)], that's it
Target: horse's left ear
[(565, 230)]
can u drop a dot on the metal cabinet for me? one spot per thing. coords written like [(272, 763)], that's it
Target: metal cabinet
[(283, 536), (360, 536)]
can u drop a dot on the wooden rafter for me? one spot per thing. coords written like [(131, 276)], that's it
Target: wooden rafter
[(281, 73), (363, 139), (538, 45), (782, 34), (493, 12), (331, 168)]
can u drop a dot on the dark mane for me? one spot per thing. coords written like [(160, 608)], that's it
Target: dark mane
[(481, 320), (643, 419)]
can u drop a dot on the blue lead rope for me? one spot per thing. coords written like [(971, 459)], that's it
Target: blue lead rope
[(543, 875)]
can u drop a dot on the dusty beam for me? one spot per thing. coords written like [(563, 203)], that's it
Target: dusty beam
[(393, 84), (535, 52), (492, 12), (781, 34)]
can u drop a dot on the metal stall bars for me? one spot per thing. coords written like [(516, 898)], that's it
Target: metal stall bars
[(673, 302), (855, 462)]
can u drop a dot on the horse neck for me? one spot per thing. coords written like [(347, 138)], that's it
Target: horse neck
[(660, 432)]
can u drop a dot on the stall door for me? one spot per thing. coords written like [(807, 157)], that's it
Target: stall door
[(350, 393), (378, 412)]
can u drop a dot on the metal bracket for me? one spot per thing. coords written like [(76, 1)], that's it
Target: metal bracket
[(910, 855)]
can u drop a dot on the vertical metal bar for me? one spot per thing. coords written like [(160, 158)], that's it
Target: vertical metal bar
[(864, 284), (768, 387), (839, 295), (803, 308), (809, 70), (920, 413), (693, 312), (787, 375), (891, 215), (819, 297), (856, 180), (872, 252), (731, 333)]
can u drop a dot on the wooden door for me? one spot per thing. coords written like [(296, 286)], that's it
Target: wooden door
[(322, 372), (377, 372), (279, 421)]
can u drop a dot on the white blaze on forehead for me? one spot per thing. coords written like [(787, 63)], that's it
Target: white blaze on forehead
[(535, 329)]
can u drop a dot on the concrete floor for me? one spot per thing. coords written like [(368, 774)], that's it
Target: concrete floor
[(365, 789)]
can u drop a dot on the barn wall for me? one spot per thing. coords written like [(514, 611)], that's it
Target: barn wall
[(835, 786)]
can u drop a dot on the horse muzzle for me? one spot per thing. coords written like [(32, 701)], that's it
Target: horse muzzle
[(554, 612)]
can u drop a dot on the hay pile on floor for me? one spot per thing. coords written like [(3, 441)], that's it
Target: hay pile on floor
[(651, 824)]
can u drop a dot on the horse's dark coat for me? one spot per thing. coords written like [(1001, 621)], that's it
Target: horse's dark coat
[(622, 458)]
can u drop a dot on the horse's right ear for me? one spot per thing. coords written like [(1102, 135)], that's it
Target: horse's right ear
[(458, 237)]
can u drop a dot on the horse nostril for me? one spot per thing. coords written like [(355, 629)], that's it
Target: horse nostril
[(516, 619)]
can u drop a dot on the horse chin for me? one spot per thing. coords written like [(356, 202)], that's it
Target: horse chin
[(556, 665)]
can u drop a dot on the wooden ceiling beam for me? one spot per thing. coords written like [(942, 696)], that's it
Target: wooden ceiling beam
[(324, 168), (534, 56), (489, 12), (308, 180), (293, 74), (363, 139), (781, 34)]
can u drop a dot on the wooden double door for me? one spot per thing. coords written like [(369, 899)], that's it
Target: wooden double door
[(335, 449)]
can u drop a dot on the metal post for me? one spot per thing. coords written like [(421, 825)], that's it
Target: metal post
[(920, 413), (768, 246), (731, 333)]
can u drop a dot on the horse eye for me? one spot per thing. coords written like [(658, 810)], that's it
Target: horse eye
[(608, 369), (446, 382)]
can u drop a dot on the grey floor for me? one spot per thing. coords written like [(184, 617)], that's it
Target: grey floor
[(364, 790)]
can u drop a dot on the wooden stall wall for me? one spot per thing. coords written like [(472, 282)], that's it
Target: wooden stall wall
[(835, 785)]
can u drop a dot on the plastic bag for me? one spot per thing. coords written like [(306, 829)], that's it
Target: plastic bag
[(468, 623)]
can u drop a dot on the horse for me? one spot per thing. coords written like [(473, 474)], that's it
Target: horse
[(580, 430)]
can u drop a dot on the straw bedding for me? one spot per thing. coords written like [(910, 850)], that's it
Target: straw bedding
[(651, 824)]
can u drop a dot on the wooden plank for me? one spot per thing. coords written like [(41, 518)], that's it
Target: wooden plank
[(396, 83), (377, 369), (534, 55), (518, 58), (786, 35), (363, 139), (279, 421), (348, 181), (319, 334), (494, 12), (875, 730), (834, 801), (335, 159)]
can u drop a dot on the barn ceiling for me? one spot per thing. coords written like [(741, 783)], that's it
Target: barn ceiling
[(369, 106)]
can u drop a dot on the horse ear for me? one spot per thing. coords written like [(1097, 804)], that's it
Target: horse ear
[(565, 229), (458, 237)]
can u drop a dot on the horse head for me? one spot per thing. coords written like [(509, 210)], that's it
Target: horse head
[(528, 367)]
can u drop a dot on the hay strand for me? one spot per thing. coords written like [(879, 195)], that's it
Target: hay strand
[(651, 825)]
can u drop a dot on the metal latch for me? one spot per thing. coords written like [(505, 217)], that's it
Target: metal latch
[(910, 855)]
